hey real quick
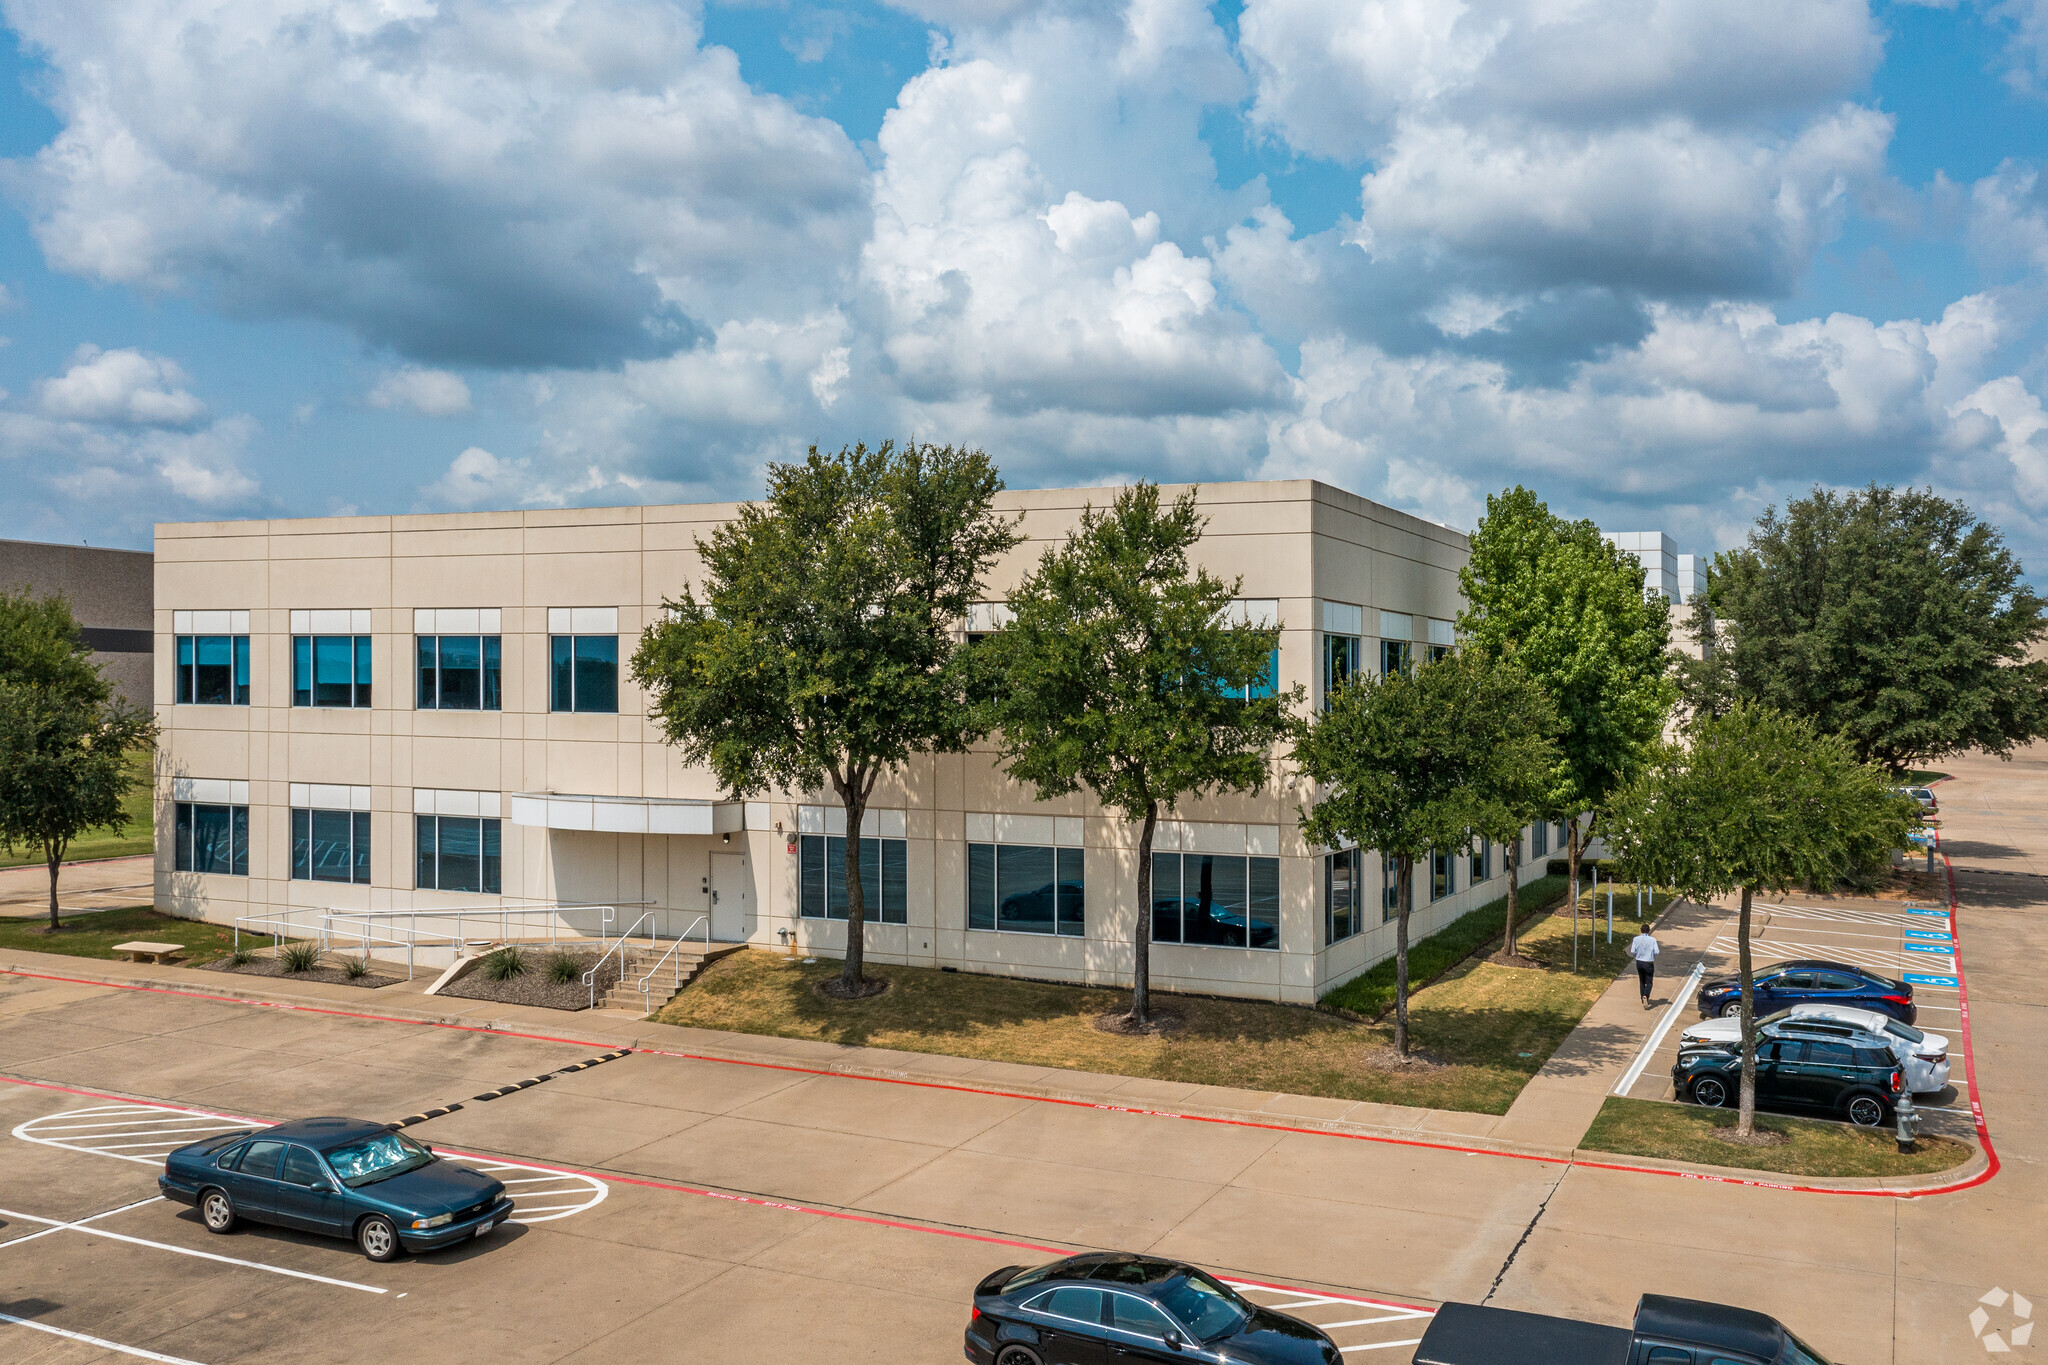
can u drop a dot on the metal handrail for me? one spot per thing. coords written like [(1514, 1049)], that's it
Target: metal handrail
[(676, 971), (590, 977)]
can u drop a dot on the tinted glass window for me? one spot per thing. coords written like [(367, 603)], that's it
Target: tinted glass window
[(1871, 1056), (261, 1159), (300, 1168), (1668, 1355), (1073, 1301), (231, 1158), (1829, 1054), (981, 885), (1835, 981), (1208, 1309), (1790, 981), (1129, 1313), (1129, 1272)]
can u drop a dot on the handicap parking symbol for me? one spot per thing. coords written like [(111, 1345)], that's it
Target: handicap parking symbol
[(1921, 910), (1923, 948), (1930, 933), (1920, 979)]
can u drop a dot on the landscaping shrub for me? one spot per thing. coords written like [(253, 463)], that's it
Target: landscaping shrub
[(241, 955), (1373, 990), (502, 964), (356, 968), (300, 957), (564, 968)]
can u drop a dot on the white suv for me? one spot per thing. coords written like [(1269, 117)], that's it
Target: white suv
[(1923, 1057)]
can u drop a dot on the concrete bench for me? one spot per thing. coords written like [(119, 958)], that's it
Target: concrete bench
[(150, 952)]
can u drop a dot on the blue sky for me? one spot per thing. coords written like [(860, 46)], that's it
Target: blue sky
[(1665, 263)]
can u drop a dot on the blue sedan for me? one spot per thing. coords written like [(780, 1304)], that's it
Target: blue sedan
[(340, 1177), (1811, 981)]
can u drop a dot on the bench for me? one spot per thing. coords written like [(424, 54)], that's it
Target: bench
[(150, 952)]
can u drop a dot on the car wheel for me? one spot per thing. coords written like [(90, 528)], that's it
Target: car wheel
[(1866, 1111), (1732, 1010), (378, 1237), (1710, 1092), (218, 1210), (1017, 1355)]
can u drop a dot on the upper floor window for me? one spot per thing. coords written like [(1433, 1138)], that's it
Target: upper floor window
[(1343, 894), (583, 659), (986, 618), (1397, 629), (331, 658), (212, 667), (1443, 635), (1343, 625), (1263, 613), (1026, 874), (1216, 899), (330, 833), (210, 830), (460, 656)]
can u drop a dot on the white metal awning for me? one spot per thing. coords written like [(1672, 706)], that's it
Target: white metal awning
[(627, 814)]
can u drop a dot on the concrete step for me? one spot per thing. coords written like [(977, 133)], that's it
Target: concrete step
[(676, 973)]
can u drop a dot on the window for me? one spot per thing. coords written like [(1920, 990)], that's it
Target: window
[(1343, 624), (1442, 636), (301, 1167), (1441, 879), (460, 672), (1261, 614), (583, 659), (211, 838), (1390, 888), (1026, 889), (1482, 860), (986, 618), (1216, 900), (1539, 838), (884, 878), (458, 853), (261, 1158), (1395, 656), (1396, 630), (330, 833), (1076, 1302), (1129, 1313), (212, 664), (1439, 652), (1343, 894), (330, 670), (1564, 835)]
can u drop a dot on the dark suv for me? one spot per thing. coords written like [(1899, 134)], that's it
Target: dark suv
[(1851, 1075)]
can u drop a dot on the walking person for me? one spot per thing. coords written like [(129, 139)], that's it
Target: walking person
[(1644, 949)]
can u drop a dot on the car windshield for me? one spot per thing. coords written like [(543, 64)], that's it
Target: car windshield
[(1906, 1031), (377, 1158), (1205, 1307)]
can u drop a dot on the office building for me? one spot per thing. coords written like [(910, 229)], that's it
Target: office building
[(109, 592)]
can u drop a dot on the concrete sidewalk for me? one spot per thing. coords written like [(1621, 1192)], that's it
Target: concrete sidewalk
[(1560, 1101), (106, 884)]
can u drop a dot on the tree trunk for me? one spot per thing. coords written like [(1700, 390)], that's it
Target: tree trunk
[(1404, 877), (1574, 844), (853, 794), (1745, 1114), (1141, 942), (55, 854), (1514, 853)]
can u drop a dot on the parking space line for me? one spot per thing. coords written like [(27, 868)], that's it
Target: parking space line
[(155, 1198), (57, 1225), (100, 1342), (1382, 1345)]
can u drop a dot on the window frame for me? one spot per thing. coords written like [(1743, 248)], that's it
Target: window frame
[(1396, 656), (1481, 856), (185, 833), (185, 666), (490, 865), (303, 828), (489, 670), (874, 877), (1443, 875), (1353, 859), (307, 679), (1341, 659), (1254, 865), (575, 663), (1069, 920)]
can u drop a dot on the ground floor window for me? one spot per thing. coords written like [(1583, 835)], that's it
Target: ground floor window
[(1026, 889), (1482, 860), (331, 846), (884, 878), (212, 839), (1343, 895), (458, 853), (1539, 838), (1390, 888), (1441, 880), (1216, 900)]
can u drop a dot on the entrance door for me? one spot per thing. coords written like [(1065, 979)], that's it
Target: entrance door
[(732, 894)]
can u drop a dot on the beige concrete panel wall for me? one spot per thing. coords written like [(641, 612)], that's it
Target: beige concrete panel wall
[(457, 578), (330, 758), (584, 766)]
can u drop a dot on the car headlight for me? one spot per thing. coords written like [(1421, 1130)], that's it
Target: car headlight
[(438, 1220)]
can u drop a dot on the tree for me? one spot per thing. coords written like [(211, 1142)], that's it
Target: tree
[(1756, 800), (823, 647), (1570, 609), (1420, 760), (1892, 616), (1121, 672), (64, 737)]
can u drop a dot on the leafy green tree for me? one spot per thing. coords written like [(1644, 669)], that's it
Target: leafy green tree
[(823, 647), (1570, 609), (1756, 801), (1121, 672), (64, 736), (1892, 616), (1420, 760)]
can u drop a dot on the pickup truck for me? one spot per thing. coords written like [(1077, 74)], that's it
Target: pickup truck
[(1667, 1331)]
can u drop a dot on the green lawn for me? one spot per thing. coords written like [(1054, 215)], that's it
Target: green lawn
[(1684, 1132), (138, 837), (1491, 1026), (95, 934)]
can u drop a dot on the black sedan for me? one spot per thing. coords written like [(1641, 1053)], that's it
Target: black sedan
[(342, 1177), (1107, 1307), (1811, 980)]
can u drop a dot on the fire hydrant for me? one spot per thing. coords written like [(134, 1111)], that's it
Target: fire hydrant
[(1907, 1120)]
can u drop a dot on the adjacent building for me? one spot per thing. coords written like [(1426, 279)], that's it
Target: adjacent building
[(380, 714), (110, 594), (1682, 581)]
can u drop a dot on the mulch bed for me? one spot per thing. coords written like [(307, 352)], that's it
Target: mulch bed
[(270, 966), (532, 986)]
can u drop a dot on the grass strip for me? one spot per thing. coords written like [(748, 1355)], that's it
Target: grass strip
[(1371, 993), (139, 836), (96, 933), (1685, 1132)]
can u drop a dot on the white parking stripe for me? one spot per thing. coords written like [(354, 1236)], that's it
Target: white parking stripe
[(100, 1342), (1382, 1345), (30, 1237), (58, 1226), (1408, 1316), (1778, 950)]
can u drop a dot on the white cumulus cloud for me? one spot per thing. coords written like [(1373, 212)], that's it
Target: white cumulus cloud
[(431, 393), (125, 387)]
